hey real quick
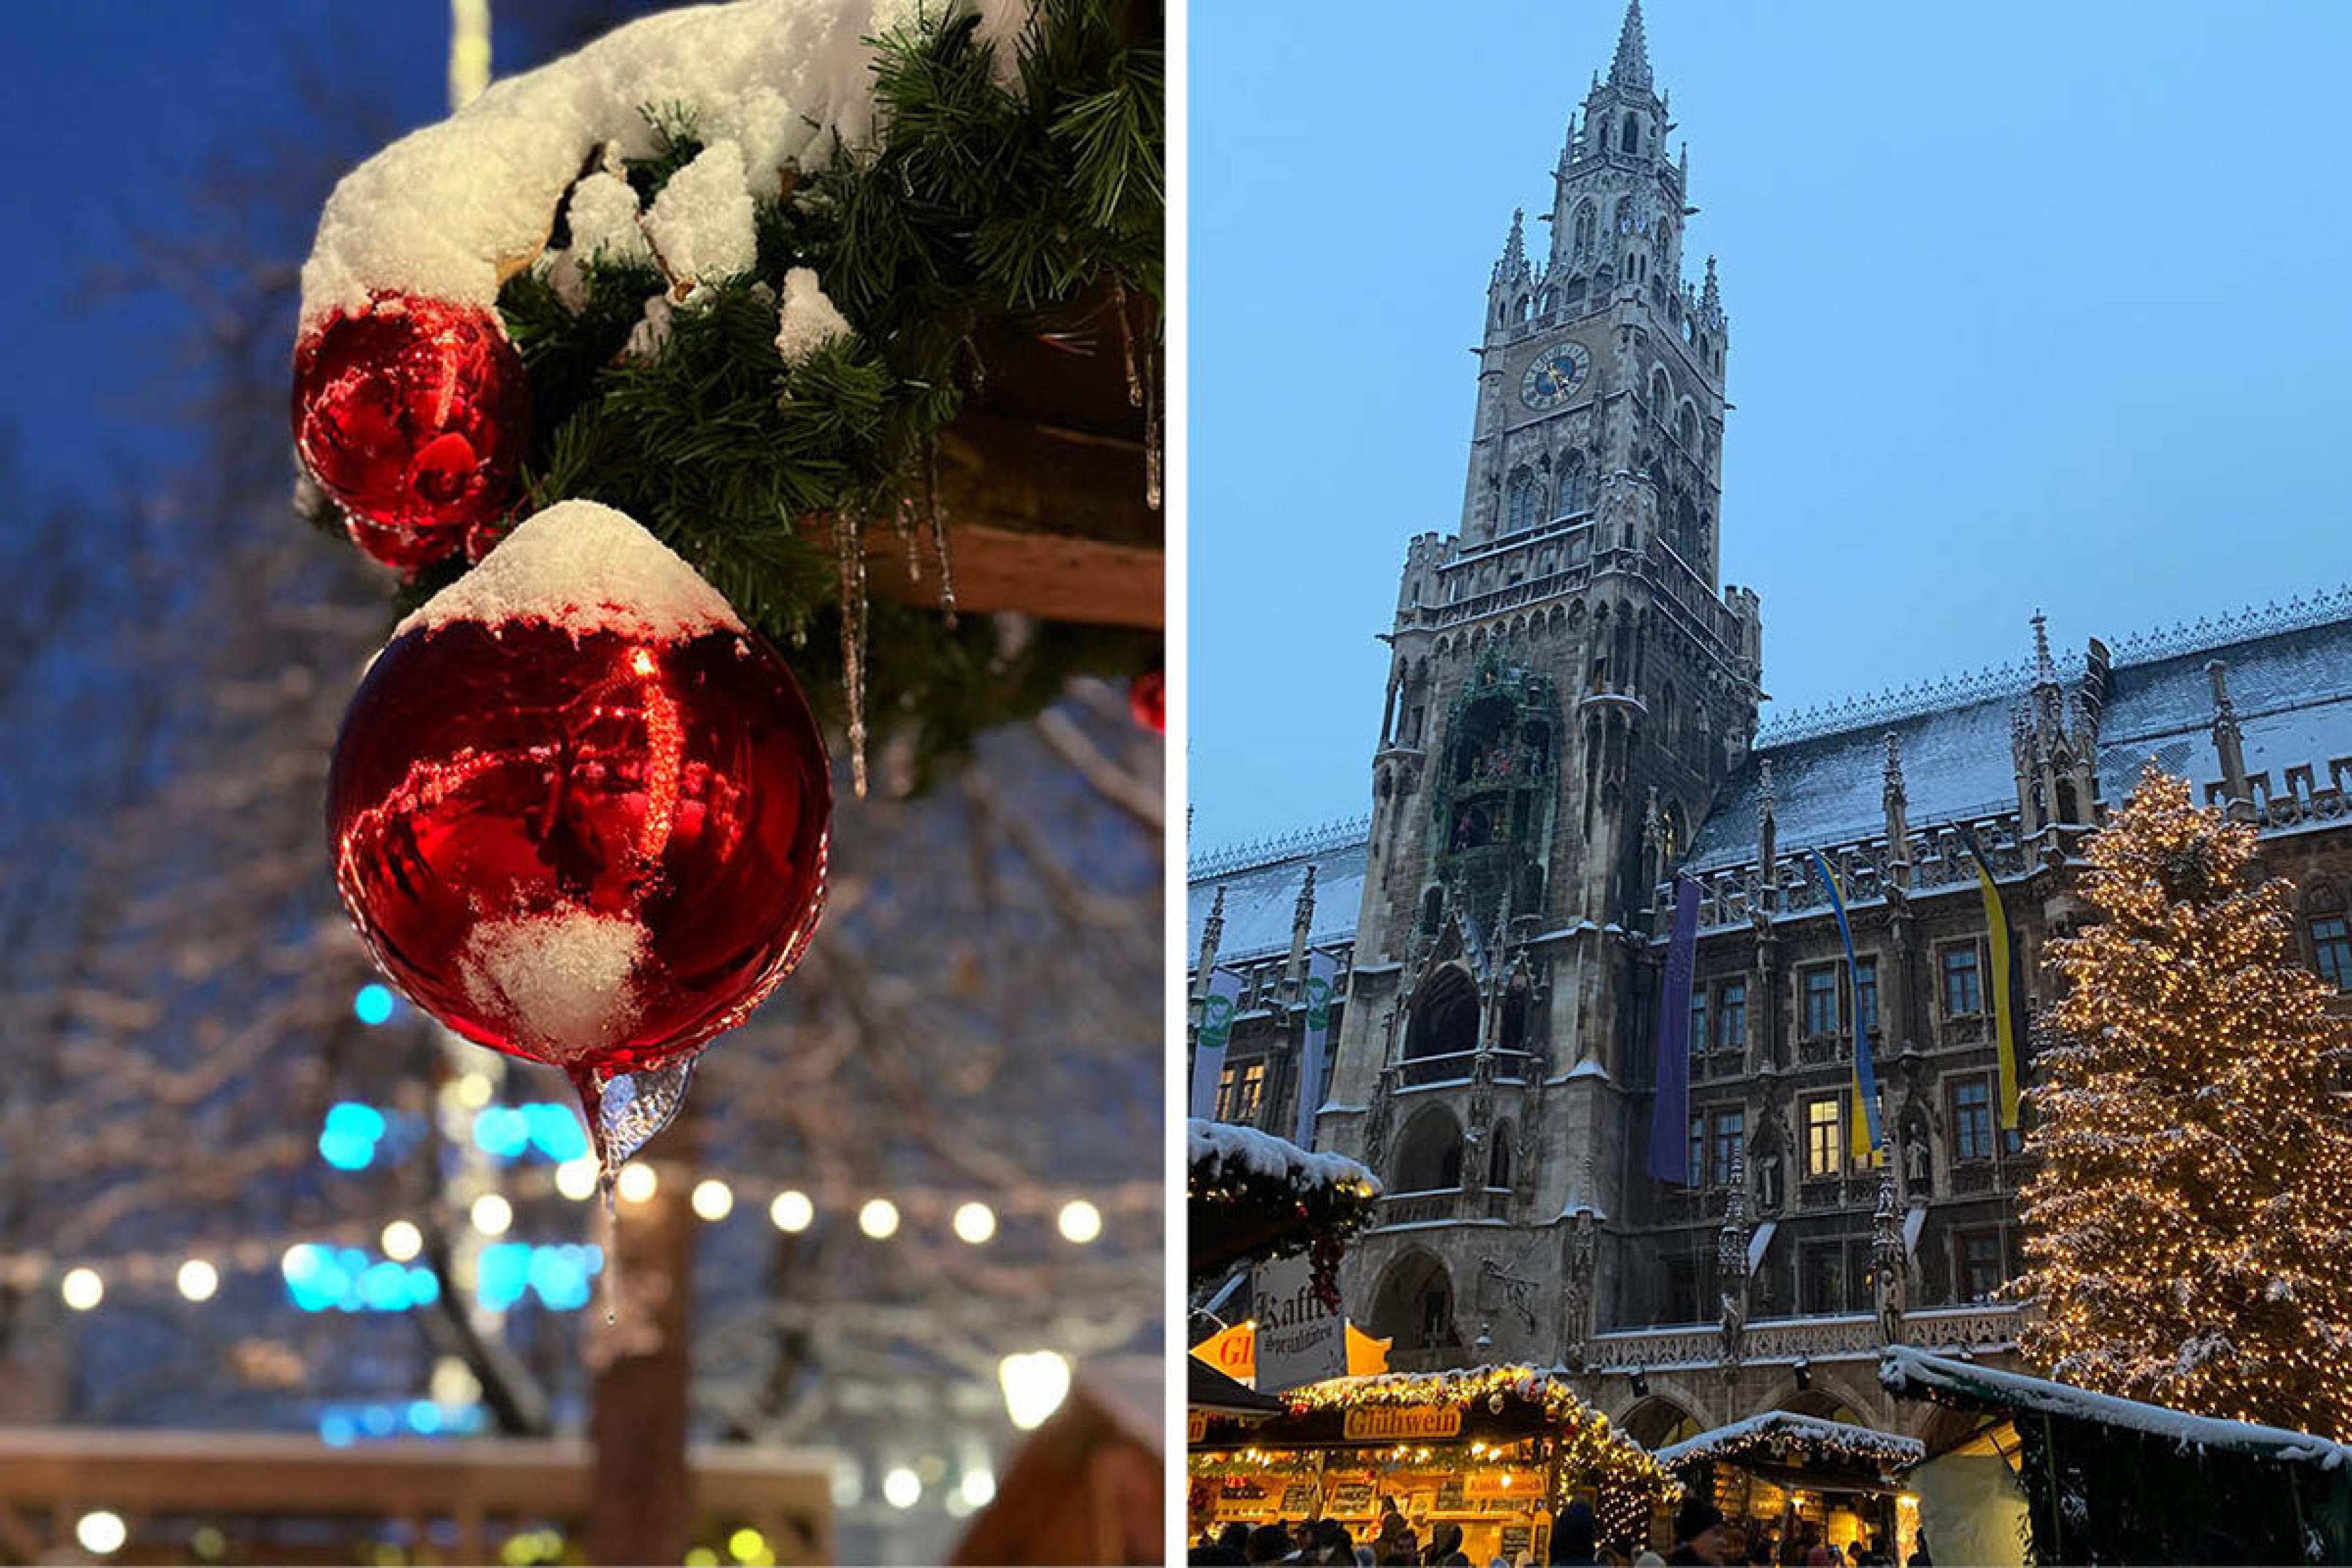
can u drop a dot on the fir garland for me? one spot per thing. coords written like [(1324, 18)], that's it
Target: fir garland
[(989, 205)]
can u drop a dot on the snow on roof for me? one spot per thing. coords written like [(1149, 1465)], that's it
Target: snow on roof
[(1773, 1427), (583, 567), (1904, 1370), (449, 211), (1261, 883), (2292, 688), (1218, 1143)]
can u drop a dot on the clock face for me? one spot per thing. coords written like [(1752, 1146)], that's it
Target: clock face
[(1557, 372)]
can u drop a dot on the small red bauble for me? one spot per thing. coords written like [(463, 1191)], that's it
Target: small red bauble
[(1147, 698), (413, 414), (580, 814)]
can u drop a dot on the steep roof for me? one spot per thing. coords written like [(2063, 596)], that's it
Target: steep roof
[(2289, 679), (1261, 882)]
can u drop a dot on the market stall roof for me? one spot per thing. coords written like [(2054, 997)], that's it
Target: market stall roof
[(1914, 1374), (1251, 1196), (1211, 1390), (1782, 1436)]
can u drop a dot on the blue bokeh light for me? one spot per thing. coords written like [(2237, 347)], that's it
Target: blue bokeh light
[(336, 1430), (503, 1131), (374, 1005), (556, 1130), (423, 1418)]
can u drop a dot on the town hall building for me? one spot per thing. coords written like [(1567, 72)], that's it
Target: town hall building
[(1570, 719)]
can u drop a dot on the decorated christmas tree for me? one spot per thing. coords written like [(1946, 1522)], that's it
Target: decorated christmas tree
[(2190, 1228)]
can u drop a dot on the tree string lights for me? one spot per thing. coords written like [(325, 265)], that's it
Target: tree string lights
[(2188, 1231)]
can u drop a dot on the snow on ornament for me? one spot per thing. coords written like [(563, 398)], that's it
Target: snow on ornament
[(579, 813)]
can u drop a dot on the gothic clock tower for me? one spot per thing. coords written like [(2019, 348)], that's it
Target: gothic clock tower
[(1570, 683)]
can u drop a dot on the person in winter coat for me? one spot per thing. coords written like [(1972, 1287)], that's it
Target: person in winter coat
[(1571, 1538), (1698, 1533)]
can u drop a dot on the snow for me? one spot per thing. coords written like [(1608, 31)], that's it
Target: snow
[(584, 568), (1740, 1437), (560, 981), (806, 321), (1904, 1370), (1216, 1144), (603, 217), (450, 212), (1262, 898), (701, 224), (646, 338)]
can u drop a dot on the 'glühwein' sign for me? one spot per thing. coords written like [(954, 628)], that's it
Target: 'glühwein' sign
[(1402, 1423)]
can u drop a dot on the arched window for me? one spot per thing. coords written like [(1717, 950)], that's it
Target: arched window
[(1575, 294), (1444, 1017), (1571, 486), (1526, 308), (1428, 1153), (1630, 139), (1686, 429), (1498, 1162), (1660, 394), (1525, 498), (1413, 1304), (1688, 544), (1587, 220)]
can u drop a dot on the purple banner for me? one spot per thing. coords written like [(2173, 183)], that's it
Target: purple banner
[(1670, 1118)]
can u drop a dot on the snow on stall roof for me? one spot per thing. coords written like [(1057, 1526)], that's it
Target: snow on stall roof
[(583, 567), (449, 211), (1904, 1370), (1217, 1145), (1739, 1436), (563, 982)]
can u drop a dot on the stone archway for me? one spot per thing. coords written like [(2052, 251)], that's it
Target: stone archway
[(1444, 1016), (1414, 1303), (1658, 1420)]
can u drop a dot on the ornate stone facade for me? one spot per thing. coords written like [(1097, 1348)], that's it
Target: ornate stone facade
[(1570, 718)]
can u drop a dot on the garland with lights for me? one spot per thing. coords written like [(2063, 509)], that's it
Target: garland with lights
[(1250, 1195), (1511, 1414), (1787, 1437), (2188, 1230)]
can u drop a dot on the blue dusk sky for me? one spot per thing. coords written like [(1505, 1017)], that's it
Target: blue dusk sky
[(2032, 306)]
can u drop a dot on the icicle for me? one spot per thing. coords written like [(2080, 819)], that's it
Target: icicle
[(1126, 345), (1152, 437), (849, 552), (902, 524), (940, 533)]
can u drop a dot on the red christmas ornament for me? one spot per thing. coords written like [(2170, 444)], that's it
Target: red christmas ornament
[(579, 813), (1147, 698), (411, 414)]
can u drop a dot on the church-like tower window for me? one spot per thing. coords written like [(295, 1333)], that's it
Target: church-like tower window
[(1525, 498), (1575, 298), (1631, 138), (1586, 221), (1572, 486)]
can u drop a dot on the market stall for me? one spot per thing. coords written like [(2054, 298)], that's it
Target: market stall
[(1495, 1451), (1792, 1478), (1251, 1196), (2070, 1476)]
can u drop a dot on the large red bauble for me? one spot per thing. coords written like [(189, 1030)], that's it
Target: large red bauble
[(594, 848), (413, 414)]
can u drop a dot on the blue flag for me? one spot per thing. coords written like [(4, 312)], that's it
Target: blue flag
[(1861, 1135), (1669, 1117)]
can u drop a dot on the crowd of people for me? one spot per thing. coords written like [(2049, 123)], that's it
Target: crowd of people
[(1702, 1535)]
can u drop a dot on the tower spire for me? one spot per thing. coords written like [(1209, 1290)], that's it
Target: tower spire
[(1515, 248), (1631, 65)]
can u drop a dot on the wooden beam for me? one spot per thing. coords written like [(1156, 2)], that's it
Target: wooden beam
[(1047, 521)]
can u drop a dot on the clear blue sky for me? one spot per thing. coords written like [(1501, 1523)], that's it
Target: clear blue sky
[(2032, 305)]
